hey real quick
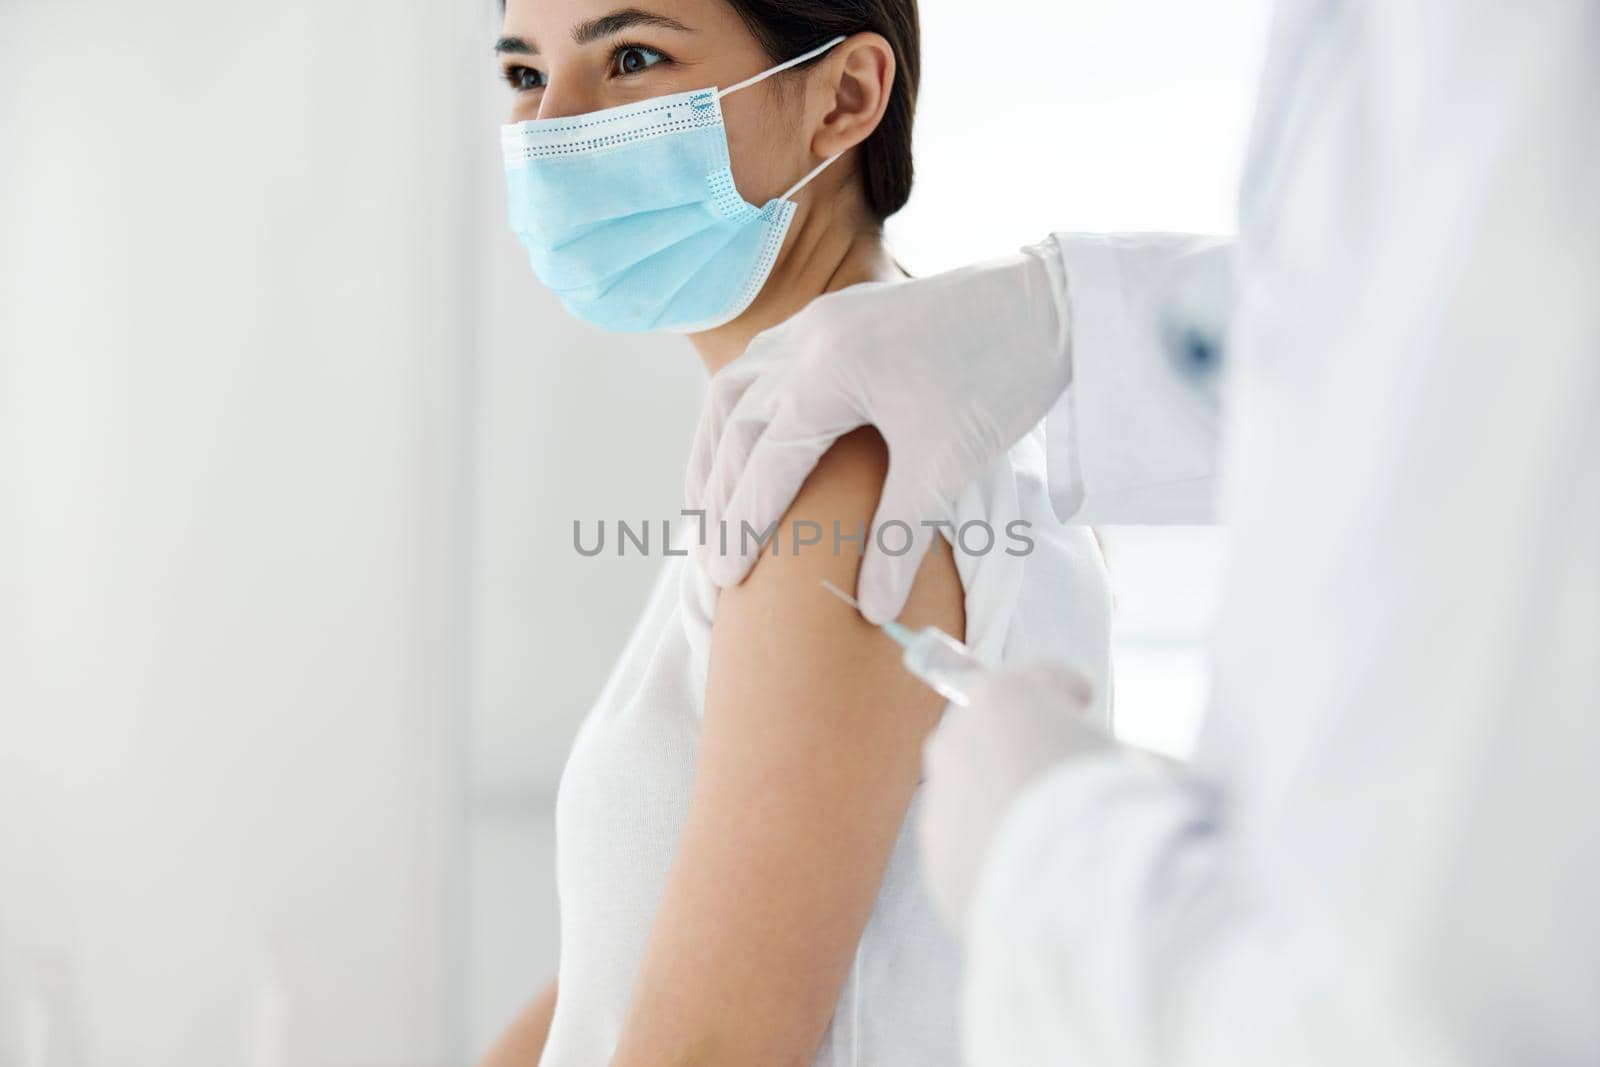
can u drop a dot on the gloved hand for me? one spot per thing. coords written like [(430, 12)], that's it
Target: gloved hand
[(1021, 723), (952, 369)]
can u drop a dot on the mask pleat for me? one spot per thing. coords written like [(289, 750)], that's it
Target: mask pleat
[(551, 198), (560, 229), (594, 256), (682, 260), (692, 303)]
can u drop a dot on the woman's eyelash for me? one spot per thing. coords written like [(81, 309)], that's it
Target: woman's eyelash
[(513, 76), (625, 47)]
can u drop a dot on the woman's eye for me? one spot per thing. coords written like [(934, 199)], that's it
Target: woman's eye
[(524, 79), (633, 58)]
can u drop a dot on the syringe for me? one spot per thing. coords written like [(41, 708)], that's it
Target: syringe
[(932, 655)]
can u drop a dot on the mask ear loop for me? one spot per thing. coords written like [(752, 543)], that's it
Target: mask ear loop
[(818, 169), (795, 62)]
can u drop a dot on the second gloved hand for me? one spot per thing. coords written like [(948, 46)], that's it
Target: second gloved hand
[(1020, 724), (952, 369)]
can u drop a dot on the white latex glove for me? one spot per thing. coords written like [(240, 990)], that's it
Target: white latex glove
[(952, 369), (1020, 724)]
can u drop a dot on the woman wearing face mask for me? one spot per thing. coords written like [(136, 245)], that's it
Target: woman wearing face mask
[(737, 879)]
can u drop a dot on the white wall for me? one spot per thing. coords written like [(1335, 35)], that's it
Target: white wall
[(232, 337), (1077, 115)]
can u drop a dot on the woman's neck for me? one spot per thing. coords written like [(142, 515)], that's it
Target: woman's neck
[(824, 257)]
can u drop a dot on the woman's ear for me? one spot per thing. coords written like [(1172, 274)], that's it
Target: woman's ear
[(855, 87)]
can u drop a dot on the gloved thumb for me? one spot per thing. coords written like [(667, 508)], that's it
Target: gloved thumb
[(899, 537)]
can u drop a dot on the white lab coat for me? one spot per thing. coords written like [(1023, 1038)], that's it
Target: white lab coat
[(1387, 850)]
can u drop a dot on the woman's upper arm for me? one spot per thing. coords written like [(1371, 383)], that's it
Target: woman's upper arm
[(810, 752)]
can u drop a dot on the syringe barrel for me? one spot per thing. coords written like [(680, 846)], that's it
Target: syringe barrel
[(943, 663)]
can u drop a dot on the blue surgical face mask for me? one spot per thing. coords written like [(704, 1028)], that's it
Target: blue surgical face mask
[(631, 217)]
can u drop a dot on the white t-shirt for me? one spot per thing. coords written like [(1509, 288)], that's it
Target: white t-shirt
[(625, 791)]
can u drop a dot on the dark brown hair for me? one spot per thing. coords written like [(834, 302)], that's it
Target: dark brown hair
[(789, 28)]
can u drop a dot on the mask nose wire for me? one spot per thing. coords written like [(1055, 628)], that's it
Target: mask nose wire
[(795, 62)]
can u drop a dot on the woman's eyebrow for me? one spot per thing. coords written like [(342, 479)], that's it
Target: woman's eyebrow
[(617, 21), (595, 29), (514, 46)]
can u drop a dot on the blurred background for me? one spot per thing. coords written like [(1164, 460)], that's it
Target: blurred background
[(293, 639)]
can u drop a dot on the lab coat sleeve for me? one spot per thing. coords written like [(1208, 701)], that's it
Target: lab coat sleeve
[(1081, 894), (1387, 849), (1134, 437)]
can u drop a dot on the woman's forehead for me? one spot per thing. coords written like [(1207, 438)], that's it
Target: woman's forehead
[(554, 23)]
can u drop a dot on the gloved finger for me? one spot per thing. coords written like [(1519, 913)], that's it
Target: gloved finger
[(740, 435), (753, 482), (896, 542), (1045, 685), (951, 836), (765, 488), (965, 797), (951, 751)]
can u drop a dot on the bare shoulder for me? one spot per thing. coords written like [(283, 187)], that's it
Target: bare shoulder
[(817, 539)]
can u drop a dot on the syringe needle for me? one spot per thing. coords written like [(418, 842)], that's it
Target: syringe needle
[(841, 594), (931, 654)]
